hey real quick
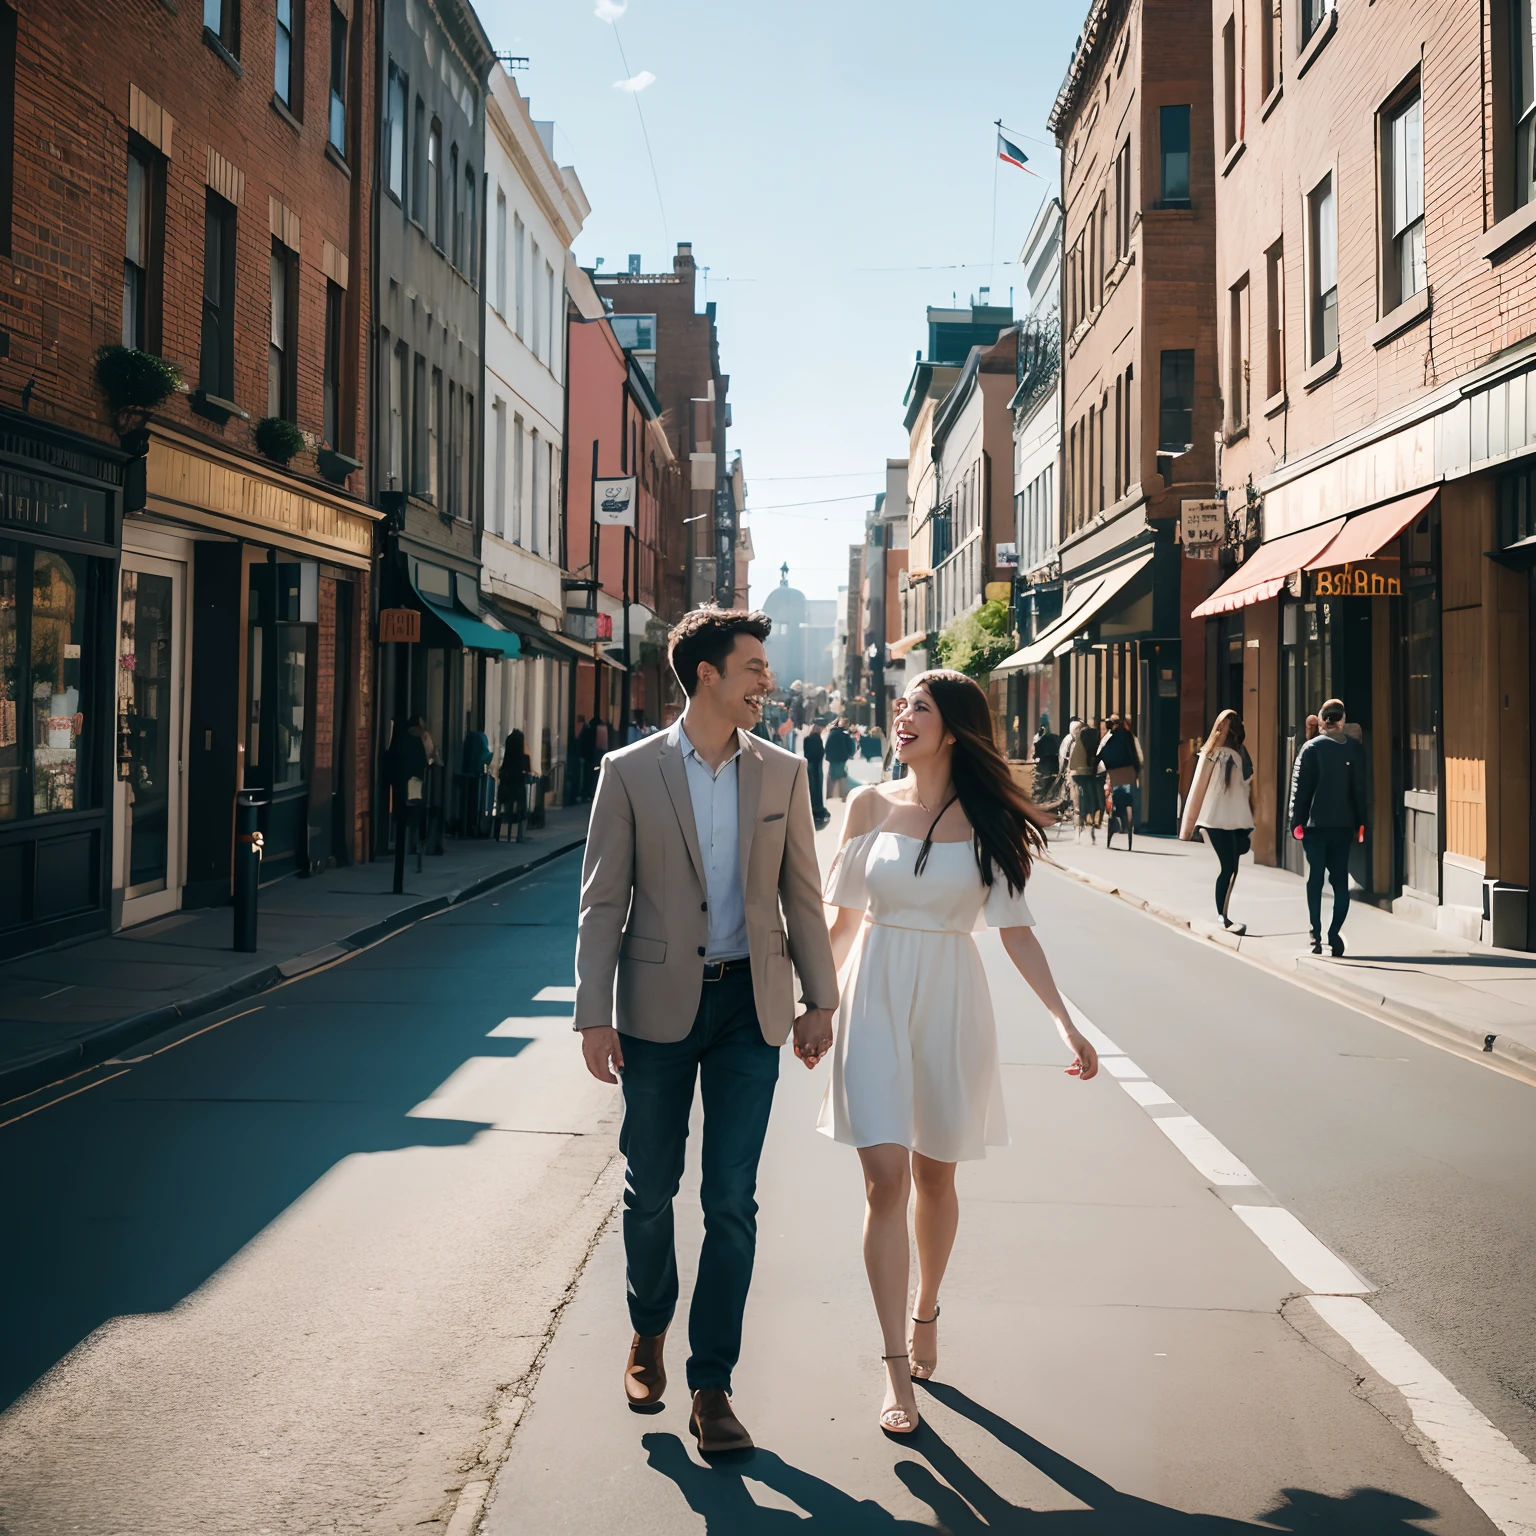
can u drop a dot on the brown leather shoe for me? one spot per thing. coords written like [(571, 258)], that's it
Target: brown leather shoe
[(645, 1376), (715, 1425)]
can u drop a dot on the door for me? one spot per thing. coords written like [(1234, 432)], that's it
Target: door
[(150, 666)]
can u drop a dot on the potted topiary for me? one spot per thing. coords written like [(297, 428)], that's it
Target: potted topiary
[(134, 381), (278, 439)]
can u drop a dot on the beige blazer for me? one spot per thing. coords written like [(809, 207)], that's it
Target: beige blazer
[(643, 924)]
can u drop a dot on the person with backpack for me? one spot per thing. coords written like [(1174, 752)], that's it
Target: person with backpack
[(1327, 815)]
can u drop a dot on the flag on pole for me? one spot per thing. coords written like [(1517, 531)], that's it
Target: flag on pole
[(1009, 151)]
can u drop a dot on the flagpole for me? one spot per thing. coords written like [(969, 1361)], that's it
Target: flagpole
[(992, 254)]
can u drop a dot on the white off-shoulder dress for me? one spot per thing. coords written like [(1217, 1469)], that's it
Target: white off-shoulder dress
[(915, 1062)]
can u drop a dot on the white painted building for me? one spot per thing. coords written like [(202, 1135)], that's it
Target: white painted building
[(534, 211)]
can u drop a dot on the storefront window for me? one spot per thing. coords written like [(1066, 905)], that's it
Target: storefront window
[(145, 704), (10, 689), (58, 636), (292, 646)]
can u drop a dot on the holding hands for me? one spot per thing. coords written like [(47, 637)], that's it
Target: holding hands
[(813, 1035)]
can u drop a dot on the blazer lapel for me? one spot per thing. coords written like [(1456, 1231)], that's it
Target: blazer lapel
[(674, 774), (749, 793)]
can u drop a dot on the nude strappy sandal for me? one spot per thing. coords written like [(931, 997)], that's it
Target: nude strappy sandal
[(922, 1370), (909, 1422)]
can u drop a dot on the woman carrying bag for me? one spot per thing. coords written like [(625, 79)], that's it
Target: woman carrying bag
[(1223, 809), (1120, 755)]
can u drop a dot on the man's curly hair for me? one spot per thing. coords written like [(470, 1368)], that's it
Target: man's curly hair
[(709, 634)]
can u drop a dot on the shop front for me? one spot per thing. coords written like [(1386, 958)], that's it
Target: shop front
[(239, 618), (60, 515)]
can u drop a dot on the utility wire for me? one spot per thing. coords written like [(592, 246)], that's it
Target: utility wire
[(819, 502), (640, 112)]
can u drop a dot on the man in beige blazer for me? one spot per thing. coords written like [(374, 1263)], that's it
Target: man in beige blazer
[(700, 898)]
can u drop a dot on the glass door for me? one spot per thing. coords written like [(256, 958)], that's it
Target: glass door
[(149, 757)]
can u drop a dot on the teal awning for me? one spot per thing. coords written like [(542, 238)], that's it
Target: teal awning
[(472, 634)]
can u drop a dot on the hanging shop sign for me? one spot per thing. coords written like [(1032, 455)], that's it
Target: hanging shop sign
[(1202, 528), (1008, 556), (1359, 578), (613, 502), (53, 506), (399, 626)]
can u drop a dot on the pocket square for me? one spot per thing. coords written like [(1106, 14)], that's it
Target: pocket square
[(777, 816)]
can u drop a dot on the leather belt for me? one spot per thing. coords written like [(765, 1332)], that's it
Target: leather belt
[(718, 970)]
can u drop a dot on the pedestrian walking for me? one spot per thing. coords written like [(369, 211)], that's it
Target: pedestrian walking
[(815, 749), (870, 746), (699, 884), (1327, 815), (511, 806), (1120, 757), (1083, 766), (1225, 812), (916, 1085), (840, 747)]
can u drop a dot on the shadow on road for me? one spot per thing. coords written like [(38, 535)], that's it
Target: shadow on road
[(126, 1199), (965, 1504)]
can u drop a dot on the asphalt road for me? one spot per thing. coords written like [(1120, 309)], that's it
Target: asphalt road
[(301, 1271)]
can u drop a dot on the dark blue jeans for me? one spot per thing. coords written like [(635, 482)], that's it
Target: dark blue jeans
[(1327, 850), (737, 1070)]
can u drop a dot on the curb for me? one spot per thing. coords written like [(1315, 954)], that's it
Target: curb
[(113, 1035), (1343, 984)]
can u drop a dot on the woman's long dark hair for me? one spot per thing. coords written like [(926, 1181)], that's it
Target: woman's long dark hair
[(1008, 829)]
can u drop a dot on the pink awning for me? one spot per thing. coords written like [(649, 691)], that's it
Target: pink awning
[(1366, 534), (1264, 572)]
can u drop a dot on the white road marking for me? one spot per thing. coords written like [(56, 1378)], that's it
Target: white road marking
[(1477, 1454), (1210, 1158), (1467, 1445), (555, 995), (1146, 1094), (1120, 1066), (1302, 1252)]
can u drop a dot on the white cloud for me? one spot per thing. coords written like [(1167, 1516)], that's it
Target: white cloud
[(610, 10), (635, 83)]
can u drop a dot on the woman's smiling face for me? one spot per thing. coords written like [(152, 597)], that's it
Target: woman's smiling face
[(919, 729)]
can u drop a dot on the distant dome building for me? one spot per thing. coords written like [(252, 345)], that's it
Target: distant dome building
[(785, 605)]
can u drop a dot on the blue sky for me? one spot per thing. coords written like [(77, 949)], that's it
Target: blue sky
[(806, 150)]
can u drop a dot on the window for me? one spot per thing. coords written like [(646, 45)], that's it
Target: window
[(1123, 204), (420, 405), (284, 55), (1238, 367), (1313, 14), (1324, 221), (221, 22), (1274, 330), (435, 437), (537, 339), (394, 463), (1176, 407), (551, 314), (467, 476), (452, 440), (517, 274), (519, 533), (499, 472), (456, 212), (330, 377), (1173, 139), (536, 542), (1402, 181), (471, 244), (435, 184), (283, 320), (1125, 430), (1119, 463), (338, 126), (1269, 45), (501, 253), (419, 165), (1522, 97), (7, 122), (216, 365), (394, 133), (142, 250), (1229, 83)]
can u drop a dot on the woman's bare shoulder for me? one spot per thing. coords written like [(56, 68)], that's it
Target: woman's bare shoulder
[(868, 806)]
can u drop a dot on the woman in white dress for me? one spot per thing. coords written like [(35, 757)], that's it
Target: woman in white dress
[(915, 1084)]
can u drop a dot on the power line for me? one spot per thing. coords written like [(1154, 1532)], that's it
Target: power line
[(665, 232), (820, 502)]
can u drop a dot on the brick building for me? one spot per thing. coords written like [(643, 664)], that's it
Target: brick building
[(680, 351), (194, 610), (1139, 399), (1376, 283)]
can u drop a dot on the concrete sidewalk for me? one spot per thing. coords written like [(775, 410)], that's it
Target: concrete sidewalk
[(68, 1008), (1461, 992)]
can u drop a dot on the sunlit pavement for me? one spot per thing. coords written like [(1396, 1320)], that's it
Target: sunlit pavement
[(300, 1272)]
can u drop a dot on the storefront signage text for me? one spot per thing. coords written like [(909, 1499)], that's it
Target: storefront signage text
[(1368, 578), (402, 625), (54, 506), (1202, 527)]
